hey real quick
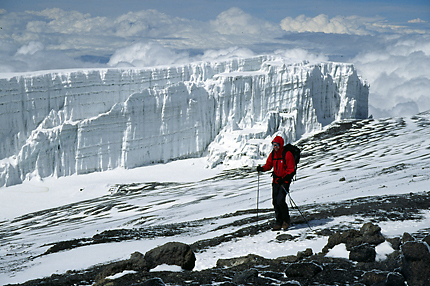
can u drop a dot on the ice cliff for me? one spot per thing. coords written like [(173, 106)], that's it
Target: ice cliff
[(66, 122)]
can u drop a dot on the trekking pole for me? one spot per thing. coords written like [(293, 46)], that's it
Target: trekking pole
[(291, 199), (258, 194)]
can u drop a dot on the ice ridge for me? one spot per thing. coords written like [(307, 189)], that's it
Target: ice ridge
[(60, 123)]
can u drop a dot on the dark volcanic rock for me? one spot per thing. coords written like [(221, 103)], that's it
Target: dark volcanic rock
[(250, 259), (415, 250), (374, 277), (171, 253), (368, 234), (371, 233), (395, 242), (395, 279), (363, 253), (302, 254), (248, 276), (136, 263), (416, 263), (407, 237), (338, 238), (427, 239), (284, 237), (303, 269)]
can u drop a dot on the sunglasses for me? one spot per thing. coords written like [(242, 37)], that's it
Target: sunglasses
[(276, 145)]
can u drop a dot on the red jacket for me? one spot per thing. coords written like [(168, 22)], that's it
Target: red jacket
[(280, 169)]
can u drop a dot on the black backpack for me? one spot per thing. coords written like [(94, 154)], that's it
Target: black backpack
[(296, 154)]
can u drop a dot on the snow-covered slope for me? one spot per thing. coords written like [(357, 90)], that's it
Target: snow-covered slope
[(156, 204), (74, 122)]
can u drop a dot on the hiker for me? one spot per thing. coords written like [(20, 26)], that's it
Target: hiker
[(283, 173)]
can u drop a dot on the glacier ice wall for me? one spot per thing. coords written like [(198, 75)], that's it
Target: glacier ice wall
[(67, 122)]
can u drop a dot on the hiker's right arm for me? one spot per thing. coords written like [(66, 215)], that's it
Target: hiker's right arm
[(268, 165)]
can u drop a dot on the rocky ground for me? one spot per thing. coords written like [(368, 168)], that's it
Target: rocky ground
[(409, 262)]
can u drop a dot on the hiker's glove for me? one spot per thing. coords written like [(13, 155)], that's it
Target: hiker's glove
[(260, 168), (288, 178), (281, 181)]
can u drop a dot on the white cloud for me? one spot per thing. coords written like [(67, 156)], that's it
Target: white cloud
[(70, 22), (30, 49), (399, 76), (298, 55), (76, 33), (401, 109), (147, 23), (147, 54), (236, 22), (353, 25), (417, 20), (34, 56), (152, 54), (225, 54), (321, 23)]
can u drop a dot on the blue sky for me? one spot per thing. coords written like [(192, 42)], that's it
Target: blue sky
[(388, 41), (273, 10)]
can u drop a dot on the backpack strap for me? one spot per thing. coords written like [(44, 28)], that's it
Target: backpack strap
[(284, 153)]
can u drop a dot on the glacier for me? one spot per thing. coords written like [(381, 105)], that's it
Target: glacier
[(65, 122)]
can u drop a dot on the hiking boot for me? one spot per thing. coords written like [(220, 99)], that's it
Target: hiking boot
[(276, 227), (285, 225)]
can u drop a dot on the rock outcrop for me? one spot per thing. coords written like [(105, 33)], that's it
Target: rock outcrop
[(416, 262), (171, 253)]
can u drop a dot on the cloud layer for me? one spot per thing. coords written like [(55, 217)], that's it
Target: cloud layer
[(392, 57)]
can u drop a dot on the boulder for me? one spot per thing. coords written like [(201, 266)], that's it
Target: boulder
[(369, 233), (245, 277), (303, 269), (363, 253), (374, 277), (416, 263), (395, 279), (338, 238), (303, 254), (415, 250), (407, 237), (395, 242), (285, 237), (287, 259), (136, 263), (171, 253), (250, 259), (427, 239)]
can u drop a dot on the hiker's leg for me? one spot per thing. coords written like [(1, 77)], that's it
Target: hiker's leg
[(282, 204), (276, 190), (287, 215)]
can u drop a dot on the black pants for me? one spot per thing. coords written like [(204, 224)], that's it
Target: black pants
[(279, 203)]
